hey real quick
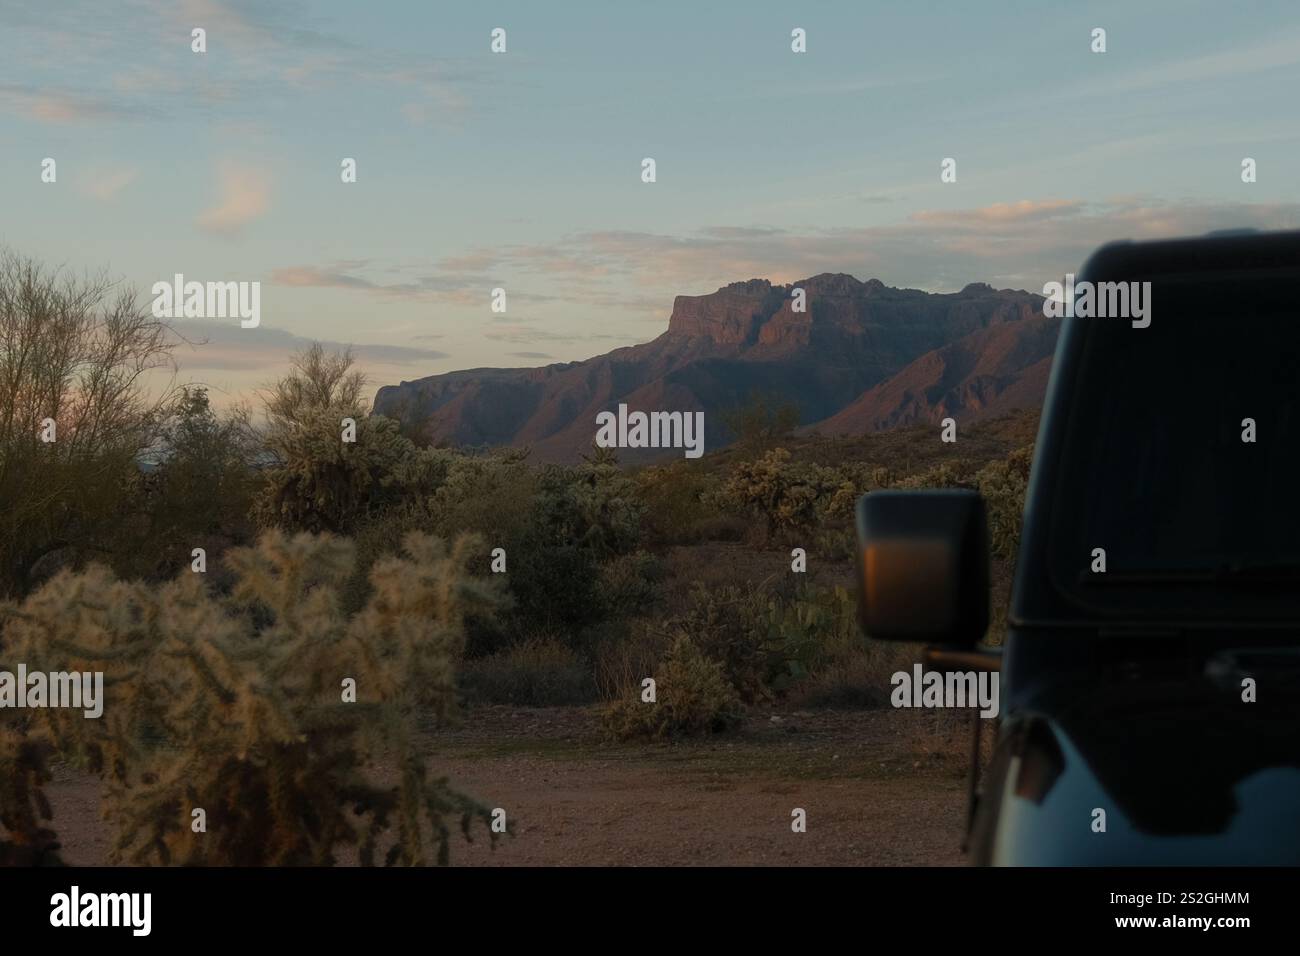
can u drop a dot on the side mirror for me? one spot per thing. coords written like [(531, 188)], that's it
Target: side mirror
[(923, 566)]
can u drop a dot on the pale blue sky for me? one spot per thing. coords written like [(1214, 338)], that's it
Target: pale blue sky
[(522, 170)]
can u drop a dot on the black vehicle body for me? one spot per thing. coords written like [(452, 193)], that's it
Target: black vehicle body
[(1125, 691)]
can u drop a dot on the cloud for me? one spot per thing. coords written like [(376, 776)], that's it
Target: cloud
[(1015, 242), (65, 106), (244, 196), (462, 288), (520, 332), (88, 67), (313, 277), (530, 355), (224, 346), (627, 273), (1025, 210), (1271, 53), (105, 184)]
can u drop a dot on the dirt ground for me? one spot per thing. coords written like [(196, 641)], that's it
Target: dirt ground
[(879, 789)]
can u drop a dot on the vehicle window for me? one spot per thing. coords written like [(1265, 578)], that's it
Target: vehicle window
[(1155, 468)]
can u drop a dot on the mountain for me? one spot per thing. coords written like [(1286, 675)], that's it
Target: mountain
[(862, 356), (985, 374)]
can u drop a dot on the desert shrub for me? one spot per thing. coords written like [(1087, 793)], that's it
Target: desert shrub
[(627, 654), (198, 494), (681, 505), (858, 680), (539, 672), (629, 584), (1003, 484), (768, 644), (492, 494), (959, 473), (760, 421), (580, 519), (233, 704), (693, 696), (803, 632), (608, 509), (851, 671), (836, 543)]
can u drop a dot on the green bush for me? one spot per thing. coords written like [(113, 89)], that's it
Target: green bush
[(1003, 484), (681, 505), (198, 494), (629, 584)]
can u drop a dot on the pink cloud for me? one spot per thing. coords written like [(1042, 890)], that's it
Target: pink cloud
[(244, 196)]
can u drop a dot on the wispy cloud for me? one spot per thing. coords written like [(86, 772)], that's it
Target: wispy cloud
[(66, 106), (426, 281), (319, 277), (105, 184), (525, 333), (224, 346), (244, 196), (1271, 52), (271, 53), (938, 250), (623, 272)]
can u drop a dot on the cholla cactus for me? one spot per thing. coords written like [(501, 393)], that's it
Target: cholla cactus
[(320, 483), (24, 809), (693, 697), (234, 704), (787, 495)]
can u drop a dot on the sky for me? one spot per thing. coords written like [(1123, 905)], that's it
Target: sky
[(522, 170)]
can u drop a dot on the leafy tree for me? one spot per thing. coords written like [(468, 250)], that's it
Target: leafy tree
[(74, 352)]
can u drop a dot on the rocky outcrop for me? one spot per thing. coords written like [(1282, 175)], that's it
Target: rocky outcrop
[(845, 352)]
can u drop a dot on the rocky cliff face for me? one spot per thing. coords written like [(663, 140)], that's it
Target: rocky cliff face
[(839, 361), (987, 373)]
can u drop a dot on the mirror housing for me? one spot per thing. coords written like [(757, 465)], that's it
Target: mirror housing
[(923, 566)]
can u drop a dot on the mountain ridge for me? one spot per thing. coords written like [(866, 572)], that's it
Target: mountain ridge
[(840, 361)]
